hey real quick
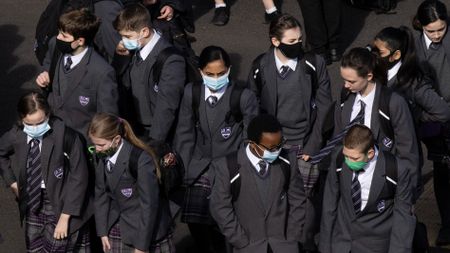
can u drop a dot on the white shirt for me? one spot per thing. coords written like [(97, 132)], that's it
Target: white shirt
[(292, 63), (75, 58), (40, 148), (254, 160), (113, 159), (218, 93), (368, 100), (365, 179), (145, 51), (427, 40), (394, 70)]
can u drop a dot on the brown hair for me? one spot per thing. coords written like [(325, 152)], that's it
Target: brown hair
[(363, 62), (80, 24), (281, 24), (30, 103), (359, 137), (133, 18), (107, 126)]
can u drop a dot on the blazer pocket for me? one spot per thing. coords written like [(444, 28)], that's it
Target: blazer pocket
[(87, 98), (58, 172)]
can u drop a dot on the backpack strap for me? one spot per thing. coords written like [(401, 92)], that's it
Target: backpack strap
[(235, 104), (133, 161), (391, 171), (310, 62), (161, 59), (384, 112), (286, 169), (257, 73), (235, 177), (196, 96), (69, 139)]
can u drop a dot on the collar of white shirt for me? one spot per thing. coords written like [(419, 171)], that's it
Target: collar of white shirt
[(394, 70), (254, 160), (219, 93), (75, 58), (113, 159), (39, 139), (292, 63), (368, 99), (427, 40), (145, 51)]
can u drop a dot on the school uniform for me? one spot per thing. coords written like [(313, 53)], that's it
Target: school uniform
[(264, 215), (384, 221), (156, 101), (63, 189), (131, 211), (198, 144), (404, 145), (85, 88), (107, 38)]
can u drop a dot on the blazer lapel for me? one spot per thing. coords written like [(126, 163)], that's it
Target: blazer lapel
[(347, 110), (305, 86), (374, 122), (275, 170), (346, 178), (378, 181), (245, 170), (22, 148), (46, 151), (121, 165), (219, 117)]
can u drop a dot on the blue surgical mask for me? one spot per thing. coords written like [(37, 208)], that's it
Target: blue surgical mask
[(216, 84), (36, 131), (131, 44), (269, 156)]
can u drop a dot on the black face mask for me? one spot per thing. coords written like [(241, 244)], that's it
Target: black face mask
[(64, 47), (293, 51), (387, 63)]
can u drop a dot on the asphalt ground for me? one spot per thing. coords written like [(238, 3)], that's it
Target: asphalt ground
[(244, 38)]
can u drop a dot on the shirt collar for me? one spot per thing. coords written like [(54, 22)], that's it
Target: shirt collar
[(219, 93), (427, 40), (145, 51), (76, 58), (31, 138), (394, 70), (370, 166), (113, 159), (292, 63), (369, 98)]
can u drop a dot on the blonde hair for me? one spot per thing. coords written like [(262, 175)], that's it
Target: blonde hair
[(107, 126)]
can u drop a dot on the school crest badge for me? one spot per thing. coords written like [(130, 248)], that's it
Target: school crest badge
[(381, 206), (387, 142), (83, 100), (58, 172), (226, 132), (127, 192)]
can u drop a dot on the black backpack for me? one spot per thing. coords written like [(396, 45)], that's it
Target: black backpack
[(235, 178), (379, 6)]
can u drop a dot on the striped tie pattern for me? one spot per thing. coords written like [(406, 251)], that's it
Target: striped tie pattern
[(284, 71), (262, 168), (34, 177), (356, 193), (359, 119)]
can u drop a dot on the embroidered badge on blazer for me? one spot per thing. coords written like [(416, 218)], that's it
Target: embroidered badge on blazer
[(59, 172), (387, 142), (381, 205), (127, 192), (226, 132), (83, 100)]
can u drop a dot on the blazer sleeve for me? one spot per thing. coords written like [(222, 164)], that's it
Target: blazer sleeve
[(434, 108), (148, 189), (107, 100), (171, 86), (249, 108), (222, 208), (102, 202), (323, 104), (297, 203), (6, 151), (251, 83), (329, 209), (77, 181), (404, 222)]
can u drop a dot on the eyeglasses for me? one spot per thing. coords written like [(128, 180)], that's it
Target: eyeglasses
[(276, 148)]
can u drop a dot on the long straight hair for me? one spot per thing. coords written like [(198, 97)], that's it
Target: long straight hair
[(107, 126)]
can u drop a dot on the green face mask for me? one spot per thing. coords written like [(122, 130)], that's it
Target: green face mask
[(108, 152), (355, 166)]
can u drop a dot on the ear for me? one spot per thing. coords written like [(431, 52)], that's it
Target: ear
[(81, 42), (275, 41), (370, 154), (369, 76), (397, 55), (146, 32)]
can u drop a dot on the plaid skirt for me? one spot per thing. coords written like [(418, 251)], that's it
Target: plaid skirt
[(196, 202), (117, 246), (39, 230)]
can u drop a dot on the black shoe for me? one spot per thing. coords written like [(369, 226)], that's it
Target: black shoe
[(443, 237), (335, 55), (221, 16), (272, 16)]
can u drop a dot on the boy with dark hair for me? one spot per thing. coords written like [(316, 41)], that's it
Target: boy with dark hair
[(156, 101), (367, 200), (267, 214), (79, 81)]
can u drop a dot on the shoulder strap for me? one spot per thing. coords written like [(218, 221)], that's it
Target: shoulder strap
[(257, 73), (69, 139), (235, 104), (133, 160), (196, 96), (235, 179), (161, 59), (286, 169), (391, 168), (384, 112), (310, 62)]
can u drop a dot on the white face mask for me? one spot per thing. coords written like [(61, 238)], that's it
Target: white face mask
[(216, 84), (131, 44), (36, 131)]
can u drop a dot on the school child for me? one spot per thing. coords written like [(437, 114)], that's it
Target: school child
[(433, 51), (131, 213), (214, 115), (82, 82), (156, 97), (43, 162), (259, 208), (367, 200)]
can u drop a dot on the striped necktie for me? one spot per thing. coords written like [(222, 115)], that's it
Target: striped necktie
[(262, 168), (34, 177), (356, 193), (284, 71)]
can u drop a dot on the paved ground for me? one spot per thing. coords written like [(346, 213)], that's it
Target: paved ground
[(244, 38)]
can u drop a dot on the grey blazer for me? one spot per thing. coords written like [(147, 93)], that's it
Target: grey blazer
[(404, 147), (246, 224), (199, 145), (67, 188), (268, 96), (136, 204), (385, 225)]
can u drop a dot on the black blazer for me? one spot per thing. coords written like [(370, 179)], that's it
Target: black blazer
[(144, 216), (68, 193)]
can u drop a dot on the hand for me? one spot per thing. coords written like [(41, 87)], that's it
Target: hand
[(139, 251), (121, 50), (15, 189), (105, 243), (305, 157), (62, 227), (166, 13), (169, 160), (43, 79)]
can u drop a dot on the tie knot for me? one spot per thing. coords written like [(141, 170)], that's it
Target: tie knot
[(68, 63), (363, 105), (434, 45), (262, 167), (34, 142), (110, 166), (212, 100)]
